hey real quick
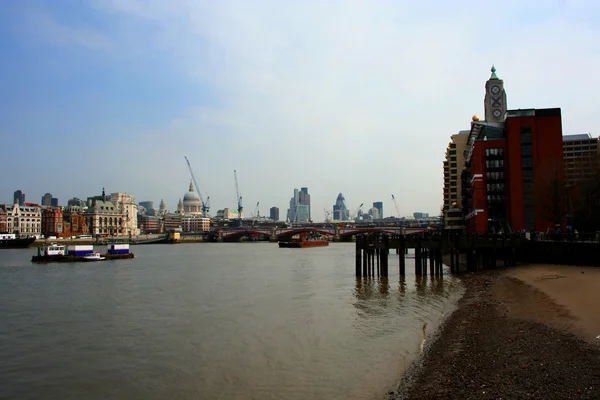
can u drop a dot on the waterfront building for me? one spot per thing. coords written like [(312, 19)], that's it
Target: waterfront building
[(228, 213), (274, 213), (149, 224), (52, 221), (453, 165), (103, 218), (74, 222), (18, 197), (47, 200), (128, 208), (379, 206), (340, 210), (195, 223), (580, 157), (514, 173), (172, 222), (25, 219)]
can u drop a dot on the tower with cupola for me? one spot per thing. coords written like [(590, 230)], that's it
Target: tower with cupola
[(495, 98)]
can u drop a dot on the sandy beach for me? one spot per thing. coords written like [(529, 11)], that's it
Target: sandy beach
[(523, 332)]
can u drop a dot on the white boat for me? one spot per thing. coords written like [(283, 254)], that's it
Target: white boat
[(95, 256), (52, 249)]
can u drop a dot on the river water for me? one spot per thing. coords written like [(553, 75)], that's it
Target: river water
[(211, 321)]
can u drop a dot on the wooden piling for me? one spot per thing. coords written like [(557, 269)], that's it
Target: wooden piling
[(358, 256)]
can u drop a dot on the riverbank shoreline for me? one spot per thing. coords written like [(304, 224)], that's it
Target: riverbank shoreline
[(508, 339)]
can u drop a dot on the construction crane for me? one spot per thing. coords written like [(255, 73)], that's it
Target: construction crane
[(256, 213), (396, 205), (355, 215), (240, 208), (205, 204)]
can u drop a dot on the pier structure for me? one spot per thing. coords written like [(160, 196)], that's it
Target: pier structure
[(476, 251)]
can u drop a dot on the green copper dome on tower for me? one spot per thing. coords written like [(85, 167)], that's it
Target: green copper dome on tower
[(494, 76)]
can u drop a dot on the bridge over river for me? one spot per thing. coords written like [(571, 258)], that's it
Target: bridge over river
[(334, 233)]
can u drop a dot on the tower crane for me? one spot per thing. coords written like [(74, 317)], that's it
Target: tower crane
[(205, 204), (396, 205), (240, 208), (355, 215)]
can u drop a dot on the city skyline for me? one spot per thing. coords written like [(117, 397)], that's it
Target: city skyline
[(115, 94)]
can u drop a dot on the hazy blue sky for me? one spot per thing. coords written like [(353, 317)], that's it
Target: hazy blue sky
[(358, 97)]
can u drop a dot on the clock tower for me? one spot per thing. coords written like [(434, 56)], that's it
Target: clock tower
[(495, 98)]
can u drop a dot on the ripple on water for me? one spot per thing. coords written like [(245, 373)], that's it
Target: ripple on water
[(218, 321)]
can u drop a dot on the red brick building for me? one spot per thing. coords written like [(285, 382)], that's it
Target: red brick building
[(52, 222), (514, 173), (74, 222)]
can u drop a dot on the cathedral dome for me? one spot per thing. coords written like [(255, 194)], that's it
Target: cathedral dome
[(191, 196), (191, 203)]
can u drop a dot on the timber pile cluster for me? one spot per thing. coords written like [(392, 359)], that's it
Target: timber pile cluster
[(484, 351)]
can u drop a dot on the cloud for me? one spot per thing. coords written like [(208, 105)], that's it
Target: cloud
[(48, 29), (353, 96)]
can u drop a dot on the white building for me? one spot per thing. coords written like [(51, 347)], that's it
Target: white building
[(103, 218), (128, 208), (195, 223), (24, 220)]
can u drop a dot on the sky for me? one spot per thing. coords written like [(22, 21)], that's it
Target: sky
[(358, 97)]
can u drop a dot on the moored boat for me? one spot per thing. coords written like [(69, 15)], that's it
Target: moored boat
[(59, 253), (304, 243), (11, 241), (95, 256)]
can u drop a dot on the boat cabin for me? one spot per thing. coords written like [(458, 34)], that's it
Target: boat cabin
[(52, 249)]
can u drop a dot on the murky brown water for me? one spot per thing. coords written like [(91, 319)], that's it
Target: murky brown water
[(210, 321)]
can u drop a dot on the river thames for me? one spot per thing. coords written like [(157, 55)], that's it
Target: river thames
[(211, 321)]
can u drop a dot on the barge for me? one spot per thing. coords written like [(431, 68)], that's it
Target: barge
[(60, 253), (304, 243)]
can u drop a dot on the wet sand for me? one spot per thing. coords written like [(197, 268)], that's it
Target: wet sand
[(574, 289), (526, 332)]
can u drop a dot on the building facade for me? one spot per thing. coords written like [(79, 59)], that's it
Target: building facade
[(195, 223), (580, 157), (128, 209), (52, 222), (299, 210), (74, 222), (23, 220), (514, 173), (453, 166), (274, 213), (340, 210), (47, 200), (379, 206), (149, 224)]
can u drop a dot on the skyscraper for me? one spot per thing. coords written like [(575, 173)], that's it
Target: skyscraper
[(274, 213), (379, 206), (299, 210), (340, 211), (47, 199), (19, 197), (54, 202)]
